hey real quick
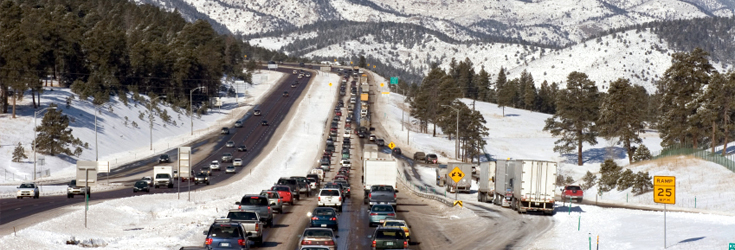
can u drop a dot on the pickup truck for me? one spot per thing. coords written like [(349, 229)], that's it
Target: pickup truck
[(382, 194), (572, 192), (304, 186), (259, 204), (73, 189), (27, 190), (274, 199), (250, 222), (293, 184), (419, 156)]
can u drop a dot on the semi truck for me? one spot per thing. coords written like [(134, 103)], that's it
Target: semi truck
[(379, 171), (163, 176), (486, 182), (464, 184), (525, 185)]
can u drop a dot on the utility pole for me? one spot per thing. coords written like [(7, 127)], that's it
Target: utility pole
[(191, 106)]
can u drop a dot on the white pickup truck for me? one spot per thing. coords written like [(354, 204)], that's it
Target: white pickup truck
[(73, 189), (28, 190)]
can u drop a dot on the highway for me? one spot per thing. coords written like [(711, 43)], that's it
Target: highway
[(274, 109)]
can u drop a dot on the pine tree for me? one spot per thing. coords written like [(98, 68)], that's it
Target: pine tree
[(54, 135), (627, 180), (642, 154), (588, 180), (499, 90), (609, 175), (530, 95), (577, 110), (680, 86), (546, 99), (621, 116), (362, 63), (483, 85), (19, 153), (643, 183)]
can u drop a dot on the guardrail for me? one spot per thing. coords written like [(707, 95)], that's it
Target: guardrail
[(726, 161), (423, 192)]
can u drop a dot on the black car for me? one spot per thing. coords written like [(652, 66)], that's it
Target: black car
[(396, 151), (225, 131), (242, 148), (164, 158), (389, 238), (264, 123), (285, 93), (225, 234), (256, 112), (380, 142), (141, 186), (201, 178)]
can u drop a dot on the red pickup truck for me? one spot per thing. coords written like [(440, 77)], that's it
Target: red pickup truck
[(572, 192)]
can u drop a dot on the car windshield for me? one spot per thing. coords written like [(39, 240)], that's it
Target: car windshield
[(389, 234), (162, 176), (318, 233), (224, 232), (394, 224), (382, 208), (281, 188), (287, 182), (230, 167), (141, 184), (381, 188), (329, 193), (242, 215), (573, 188), (254, 200), (200, 175), (26, 185), (269, 194)]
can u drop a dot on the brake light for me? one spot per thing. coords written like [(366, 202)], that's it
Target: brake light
[(305, 242), (405, 244), (370, 195), (208, 241), (333, 218), (320, 198), (391, 214), (394, 195), (242, 242), (330, 243), (373, 243), (405, 230), (239, 207), (269, 207), (314, 218), (340, 198), (348, 189), (373, 214), (257, 226)]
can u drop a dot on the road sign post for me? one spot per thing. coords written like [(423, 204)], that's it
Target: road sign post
[(394, 80), (391, 145), (664, 191), (83, 173), (456, 176)]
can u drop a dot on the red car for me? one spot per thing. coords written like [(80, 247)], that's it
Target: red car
[(284, 192), (572, 192)]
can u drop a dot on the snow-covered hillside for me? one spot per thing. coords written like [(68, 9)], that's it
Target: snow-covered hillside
[(120, 141)]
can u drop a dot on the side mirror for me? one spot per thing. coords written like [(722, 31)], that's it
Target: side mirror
[(308, 214), (396, 190), (205, 232), (237, 203)]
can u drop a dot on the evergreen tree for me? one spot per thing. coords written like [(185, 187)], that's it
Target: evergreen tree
[(627, 180), (362, 63), (483, 85), (588, 180), (609, 175), (500, 90), (643, 183), (621, 116), (577, 110), (19, 153), (546, 99), (679, 87), (642, 154), (54, 135), (529, 93), (424, 105)]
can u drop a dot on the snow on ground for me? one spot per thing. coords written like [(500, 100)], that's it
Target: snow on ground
[(161, 221), (120, 142)]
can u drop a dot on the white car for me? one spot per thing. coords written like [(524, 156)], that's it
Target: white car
[(214, 165), (347, 133), (330, 197), (230, 170), (319, 172), (346, 163), (28, 189), (363, 112), (148, 180), (237, 162), (353, 100)]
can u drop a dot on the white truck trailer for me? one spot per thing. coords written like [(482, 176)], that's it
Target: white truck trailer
[(370, 151), (379, 171), (486, 182), (464, 184), (163, 176), (526, 185)]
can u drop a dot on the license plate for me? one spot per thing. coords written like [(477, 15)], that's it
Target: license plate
[(537, 203), (389, 243), (381, 221), (224, 244), (324, 225)]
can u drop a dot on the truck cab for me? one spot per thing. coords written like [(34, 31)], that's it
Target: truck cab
[(73, 189)]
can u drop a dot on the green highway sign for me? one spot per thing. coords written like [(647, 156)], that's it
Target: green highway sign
[(394, 80), (732, 246)]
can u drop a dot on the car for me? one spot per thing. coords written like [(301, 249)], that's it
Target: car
[(308, 75), (348, 120), (285, 93), (274, 198), (284, 192), (419, 156), (148, 180), (250, 222), (389, 238), (361, 134), (325, 217), (264, 123), (230, 144), (201, 178), (379, 213), (164, 158), (225, 131), (141, 186), (363, 112), (380, 142), (330, 197), (238, 124), (214, 165), (293, 85), (313, 182), (300, 76), (301, 64), (293, 184), (345, 186), (346, 163), (259, 204), (353, 100), (371, 137), (256, 112), (396, 151), (237, 162), (225, 234), (318, 237), (304, 186), (242, 148), (230, 169), (27, 189), (432, 159), (206, 170), (572, 192), (399, 224), (295, 71), (226, 157), (319, 172)]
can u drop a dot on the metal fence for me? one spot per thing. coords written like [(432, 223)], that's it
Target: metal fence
[(728, 161)]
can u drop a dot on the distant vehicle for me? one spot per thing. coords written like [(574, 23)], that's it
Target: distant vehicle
[(258, 204), (323, 217), (163, 176), (274, 199), (230, 144), (572, 192), (330, 197), (164, 158), (401, 224), (250, 222), (27, 189), (345, 186), (285, 93), (301, 64), (256, 112), (295, 71), (313, 182), (242, 148), (397, 151), (225, 131), (206, 170), (293, 85), (464, 183), (380, 213), (225, 234), (353, 100), (226, 157), (73, 189), (419, 156), (389, 238), (318, 237), (363, 113), (148, 180), (141, 186), (372, 137), (285, 193), (346, 163), (303, 185), (238, 124), (215, 165), (291, 183), (380, 142), (300, 76), (318, 172), (432, 159), (264, 123), (230, 169), (237, 162), (201, 178), (308, 74)]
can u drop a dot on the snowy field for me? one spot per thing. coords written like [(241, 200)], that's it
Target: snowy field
[(161, 221), (120, 142)]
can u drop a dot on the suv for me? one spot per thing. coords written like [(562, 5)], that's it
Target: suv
[(572, 192), (226, 157), (225, 131), (73, 189), (201, 178), (274, 199), (259, 204), (432, 159), (389, 238), (224, 233), (304, 186), (164, 158), (291, 183), (419, 156), (330, 197)]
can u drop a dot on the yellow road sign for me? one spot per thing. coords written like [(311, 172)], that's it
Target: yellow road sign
[(386, 93), (391, 145), (456, 174), (368, 65), (350, 62), (330, 84), (382, 84), (664, 189), (364, 75), (458, 203)]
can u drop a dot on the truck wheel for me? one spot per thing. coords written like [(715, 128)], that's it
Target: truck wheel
[(196, 183), (259, 241), (339, 208), (69, 196), (171, 185), (135, 191)]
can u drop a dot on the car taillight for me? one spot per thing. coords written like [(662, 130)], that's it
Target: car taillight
[(320, 198), (279, 201), (257, 226), (242, 242), (348, 189), (391, 214), (370, 195), (405, 230), (305, 242), (329, 243), (340, 198), (269, 207), (314, 218), (373, 243), (239, 207), (208, 241), (405, 244), (394, 195), (333, 218), (373, 214)]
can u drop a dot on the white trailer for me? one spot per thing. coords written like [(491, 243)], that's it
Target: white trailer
[(465, 183), (379, 171), (370, 151), (163, 176), (526, 185), (486, 190)]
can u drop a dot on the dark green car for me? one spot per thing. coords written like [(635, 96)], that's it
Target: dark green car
[(389, 238), (141, 186)]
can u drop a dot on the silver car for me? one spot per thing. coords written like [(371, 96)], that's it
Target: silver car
[(274, 199), (318, 237), (230, 169), (230, 144), (214, 165), (237, 162)]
